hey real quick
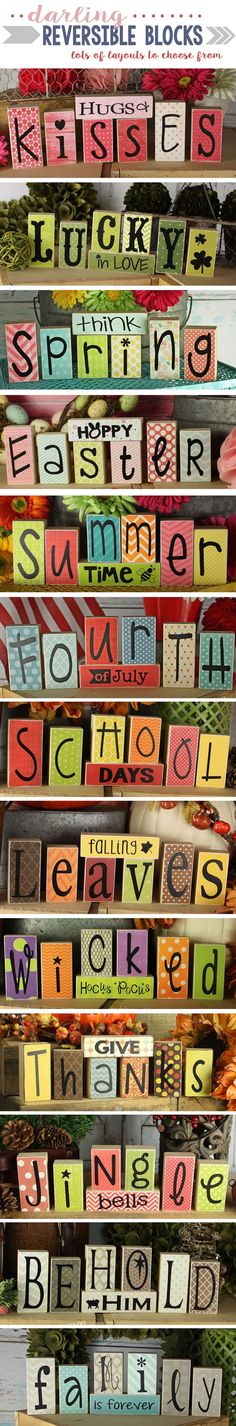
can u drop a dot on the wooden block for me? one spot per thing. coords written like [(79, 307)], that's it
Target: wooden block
[(72, 243), (137, 231), (195, 455), (175, 1394), (121, 1302), (96, 951), (24, 870), (65, 756), (92, 356), (170, 131), (89, 464), (97, 1202), (204, 1286), (21, 348), (210, 557), (200, 353), (138, 639), (206, 1391), (128, 1403), (25, 136), (67, 1072), (25, 752), (40, 1385), (56, 354), (136, 1269), (198, 1072), (181, 762), (201, 254), (126, 356), (142, 1372), (101, 1078), (138, 538), (147, 676), (170, 245), (62, 873), (41, 234), (101, 640), (177, 538), (28, 552), (73, 1388), (106, 1166), (216, 660), (108, 1371), (20, 967), (36, 1072), (212, 760), (68, 1180), (32, 1281), (100, 105), (206, 134), (53, 462), (134, 1078), (211, 878), (100, 1267), (137, 882), (119, 845), (173, 1282), (56, 970), (144, 739), (114, 429), (177, 1182), (105, 231), (132, 952), (32, 1171), (167, 1068), (65, 1285), (132, 1045), (122, 262), (179, 644), (20, 456), (127, 576), (96, 990), (61, 558), (164, 349), (172, 967), (208, 971), (60, 660), (99, 879), (60, 136), (125, 774), (103, 537), (132, 140), (126, 464), (109, 322), (177, 872), (97, 140), (161, 452), (107, 737), (211, 1186)]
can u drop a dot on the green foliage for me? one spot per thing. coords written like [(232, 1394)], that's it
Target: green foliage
[(69, 200), (228, 209), (197, 200), (147, 198), (8, 1294), (63, 1346), (77, 1125)]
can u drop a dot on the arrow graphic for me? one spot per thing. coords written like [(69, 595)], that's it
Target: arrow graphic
[(220, 37), (21, 35)]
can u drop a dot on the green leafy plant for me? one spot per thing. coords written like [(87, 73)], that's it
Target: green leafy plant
[(196, 200), (70, 200), (228, 211), (91, 505), (63, 1346), (8, 1294), (147, 198)]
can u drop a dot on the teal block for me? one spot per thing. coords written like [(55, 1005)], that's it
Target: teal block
[(138, 639), (24, 657), (125, 1404), (103, 538), (216, 661), (60, 660), (56, 354), (73, 1389)]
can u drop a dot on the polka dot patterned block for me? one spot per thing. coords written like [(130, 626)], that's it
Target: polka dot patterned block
[(167, 1068), (32, 1172), (172, 967), (216, 661), (139, 639)]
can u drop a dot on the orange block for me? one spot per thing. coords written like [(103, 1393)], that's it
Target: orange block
[(56, 970), (172, 968), (62, 873), (144, 739)]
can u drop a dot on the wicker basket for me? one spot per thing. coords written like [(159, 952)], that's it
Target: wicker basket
[(219, 1350)]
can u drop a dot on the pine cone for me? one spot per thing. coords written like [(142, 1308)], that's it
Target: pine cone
[(8, 1201), (52, 1136), (17, 1134)]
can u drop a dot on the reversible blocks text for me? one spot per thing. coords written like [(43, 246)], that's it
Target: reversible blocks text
[(186, 1182), (104, 127), (134, 637), (130, 1067), (185, 1284), (124, 1383), (112, 965), (123, 451), (89, 872), (123, 751), (123, 242), (97, 346), (121, 550)]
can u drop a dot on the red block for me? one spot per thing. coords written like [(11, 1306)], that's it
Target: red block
[(99, 879), (132, 140), (124, 773), (206, 135), (106, 1167), (61, 557), (101, 641), (177, 1182), (60, 137), (120, 676), (22, 357), (24, 753), (97, 140)]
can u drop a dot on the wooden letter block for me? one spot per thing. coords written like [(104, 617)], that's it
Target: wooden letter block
[(200, 354), (67, 1073), (101, 1078), (132, 140), (56, 970), (24, 752), (169, 131), (32, 1170), (22, 355), (68, 1179), (211, 879), (73, 1389), (201, 254), (173, 1282), (206, 1391), (25, 137), (206, 135), (20, 457), (100, 1267), (89, 463), (99, 879), (208, 971), (41, 1385), (179, 643), (65, 1285), (108, 737), (140, 1165), (172, 967), (195, 455), (92, 356), (138, 639), (56, 354), (60, 660), (142, 1372), (106, 1167), (210, 557), (176, 1378), (137, 883), (65, 756), (41, 234), (136, 236), (161, 452), (61, 557), (97, 140), (126, 356), (204, 1286), (182, 748), (170, 246), (96, 951), (164, 349), (105, 232), (144, 740), (103, 537), (138, 538), (177, 554), (212, 760), (28, 553), (126, 463), (62, 873), (198, 1073), (20, 967), (60, 136), (177, 1182), (37, 1072), (53, 463), (167, 1068), (108, 1370), (24, 870), (72, 243), (101, 640), (211, 1186), (177, 873), (136, 1269), (32, 1281), (216, 661), (134, 1078), (132, 952)]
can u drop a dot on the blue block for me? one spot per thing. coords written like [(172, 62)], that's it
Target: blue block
[(56, 353), (103, 538), (216, 660), (135, 1405), (73, 1389), (138, 639), (24, 657)]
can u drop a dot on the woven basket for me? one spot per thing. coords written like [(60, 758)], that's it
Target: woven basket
[(219, 1350), (209, 717)]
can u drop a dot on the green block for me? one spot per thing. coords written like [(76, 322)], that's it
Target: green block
[(170, 246), (137, 883), (68, 1186), (211, 1186), (122, 262), (209, 971), (65, 756), (92, 356), (28, 552), (98, 988), (124, 576), (140, 1167)]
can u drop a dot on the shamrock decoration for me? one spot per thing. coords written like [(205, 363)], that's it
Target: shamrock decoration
[(201, 238), (199, 261)]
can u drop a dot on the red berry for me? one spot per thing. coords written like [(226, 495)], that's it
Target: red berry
[(168, 804), (201, 820), (222, 828)]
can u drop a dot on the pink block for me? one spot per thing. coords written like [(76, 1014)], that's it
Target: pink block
[(60, 136), (200, 353), (32, 1172), (182, 756), (126, 1200), (106, 1167), (132, 140), (25, 137), (206, 135), (61, 558), (161, 452), (177, 554), (126, 463), (22, 356), (19, 450), (97, 140), (177, 1182)]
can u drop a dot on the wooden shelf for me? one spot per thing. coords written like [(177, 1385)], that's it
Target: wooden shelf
[(153, 1105), (161, 1005), (96, 792), (96, 591), (53, 170), (22, 1419), (221, 277), (86, 908), (193, 1216), (132, 693), (56, 277), (225, 1317), (210, 486)]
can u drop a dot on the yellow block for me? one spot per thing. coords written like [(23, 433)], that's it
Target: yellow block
[(210, 557), (211, 881), (122, 844), (212, 760), (201, 254), (37, 1072), (105, 232), (41, 234), (89, 462), (198, 1072), (108, 738)]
